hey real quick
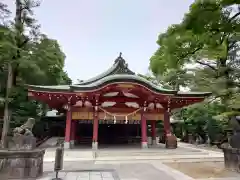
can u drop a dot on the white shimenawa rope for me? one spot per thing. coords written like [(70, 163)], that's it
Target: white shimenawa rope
[(114, 115)]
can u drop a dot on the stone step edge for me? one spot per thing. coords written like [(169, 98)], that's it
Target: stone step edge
[(130, 158)]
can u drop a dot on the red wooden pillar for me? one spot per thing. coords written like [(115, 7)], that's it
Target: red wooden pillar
[(95, 131), (73, 133), (153, 127), (68, 129), (144, 131)]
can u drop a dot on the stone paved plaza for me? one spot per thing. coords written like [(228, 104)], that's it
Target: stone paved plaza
[(134, 164), (83, 175), (123, 170)]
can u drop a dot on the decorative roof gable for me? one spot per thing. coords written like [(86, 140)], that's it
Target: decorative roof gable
[(119, 67)]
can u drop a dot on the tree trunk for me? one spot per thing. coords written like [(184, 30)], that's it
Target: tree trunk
[(6, 109), (19, 29)]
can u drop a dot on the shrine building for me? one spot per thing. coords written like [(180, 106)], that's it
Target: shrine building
[(116, 106)]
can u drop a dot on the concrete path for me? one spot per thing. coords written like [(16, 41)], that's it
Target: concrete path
[(126, 170), (121, 171), (51, 142), (128, 164), (69, 155), (87, 175)]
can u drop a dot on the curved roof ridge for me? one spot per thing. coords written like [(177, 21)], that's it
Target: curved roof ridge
[(58, 88), (122, 78), (119, 67), (98, 77)]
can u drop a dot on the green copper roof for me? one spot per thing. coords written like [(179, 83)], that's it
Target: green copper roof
[(121, 78), (118, 73), (49, 88), (189, 94), (119, 67)]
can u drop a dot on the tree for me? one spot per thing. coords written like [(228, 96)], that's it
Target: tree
[(46, 60), (208, 38), (155, 80), (173, 79), (198, 119), (24, 51), (4, 12), (5, 34), (206, 46)]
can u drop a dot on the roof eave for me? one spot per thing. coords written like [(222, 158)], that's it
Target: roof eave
[(194, 94), (113, 79), (47, 88)]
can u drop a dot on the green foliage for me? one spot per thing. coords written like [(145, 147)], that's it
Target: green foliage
[(199, 120), (22, 107), (35, 59), (155, 80), (202, 53), (46, 60), (205, 38)]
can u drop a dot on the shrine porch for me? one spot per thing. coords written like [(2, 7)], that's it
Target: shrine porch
[(109, 135), (123, 152)]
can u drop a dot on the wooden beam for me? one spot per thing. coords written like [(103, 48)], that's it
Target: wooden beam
[(102, 116), (120, 99), (115, 110)]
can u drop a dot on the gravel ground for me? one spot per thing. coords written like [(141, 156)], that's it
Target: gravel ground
[(202, 170)]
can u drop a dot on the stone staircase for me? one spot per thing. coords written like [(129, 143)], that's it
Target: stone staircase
[(162, 156), (132, 153), (147, 152), (143, 153), (158, 154)]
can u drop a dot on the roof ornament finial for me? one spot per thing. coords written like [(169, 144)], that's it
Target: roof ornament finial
[(120, 54)]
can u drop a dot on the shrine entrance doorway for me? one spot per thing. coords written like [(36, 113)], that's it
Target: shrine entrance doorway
[(109, 134), (117, 134)]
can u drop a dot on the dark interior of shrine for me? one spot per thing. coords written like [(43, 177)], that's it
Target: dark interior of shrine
[(109, 133)]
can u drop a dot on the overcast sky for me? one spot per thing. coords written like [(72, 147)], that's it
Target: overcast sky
[(93, 32)]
